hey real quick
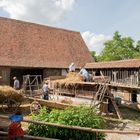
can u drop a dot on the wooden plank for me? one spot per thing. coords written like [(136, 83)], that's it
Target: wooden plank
[(109, 84), (25, 136), (116, 109), (48, 103), (66, 93), (86, 129)]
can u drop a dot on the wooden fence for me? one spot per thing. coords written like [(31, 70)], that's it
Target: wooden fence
[(72, 127)]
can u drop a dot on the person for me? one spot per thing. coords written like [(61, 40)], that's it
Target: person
[(15, 132), (72, 67), (45, 91), (0, 80), (16, 83), (84, 73)]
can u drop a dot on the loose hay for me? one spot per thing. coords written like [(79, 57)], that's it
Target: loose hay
[(9, 92), (71, 79)]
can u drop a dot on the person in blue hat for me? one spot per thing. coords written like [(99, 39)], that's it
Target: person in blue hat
[(15, 132)]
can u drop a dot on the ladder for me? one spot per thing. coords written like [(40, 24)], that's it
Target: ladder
[(102, 93), (32, 82)]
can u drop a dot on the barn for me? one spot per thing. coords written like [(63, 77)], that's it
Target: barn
[(29, 48), (124, 77)]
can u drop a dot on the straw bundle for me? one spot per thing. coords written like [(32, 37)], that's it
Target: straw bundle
[(9, 92), (71, 79)]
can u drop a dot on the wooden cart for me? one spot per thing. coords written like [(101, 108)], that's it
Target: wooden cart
[(10, 99)]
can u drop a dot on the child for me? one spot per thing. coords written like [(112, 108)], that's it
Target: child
[(15, 132)]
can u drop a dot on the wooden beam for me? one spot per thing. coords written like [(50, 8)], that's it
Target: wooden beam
[(87, 129), (28, 136)]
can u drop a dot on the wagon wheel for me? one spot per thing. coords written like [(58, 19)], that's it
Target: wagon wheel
[(35, 107), (9, 106)]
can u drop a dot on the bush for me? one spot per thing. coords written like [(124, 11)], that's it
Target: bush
[(82, 116)]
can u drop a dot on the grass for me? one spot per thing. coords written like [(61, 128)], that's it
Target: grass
[(130, 114), (131, 117)]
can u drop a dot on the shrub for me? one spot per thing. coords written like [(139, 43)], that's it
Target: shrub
[(82, 116)]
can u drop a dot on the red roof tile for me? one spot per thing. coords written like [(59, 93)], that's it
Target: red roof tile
[(26, 44), (131, 63)]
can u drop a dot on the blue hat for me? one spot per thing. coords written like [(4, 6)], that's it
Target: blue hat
[(16, 118)]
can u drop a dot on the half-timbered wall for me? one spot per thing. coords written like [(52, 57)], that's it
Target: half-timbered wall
[(121, 76), (7, 73)]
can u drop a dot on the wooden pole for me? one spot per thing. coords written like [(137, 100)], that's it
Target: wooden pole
[(87, 129), (28, 136)]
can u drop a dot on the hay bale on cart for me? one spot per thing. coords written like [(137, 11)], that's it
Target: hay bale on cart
[(10, 99), (71, 79), (73, 85)]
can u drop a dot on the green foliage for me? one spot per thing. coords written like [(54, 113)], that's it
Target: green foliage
[(138, 46), (93, 54), (119, 49), (75, 116)]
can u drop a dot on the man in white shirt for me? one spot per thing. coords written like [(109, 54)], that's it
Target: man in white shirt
[(45, 91), (84, 73), (16, 83), (72, 67)]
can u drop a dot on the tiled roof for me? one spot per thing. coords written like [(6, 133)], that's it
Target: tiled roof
[(24, 44), (131, 63)]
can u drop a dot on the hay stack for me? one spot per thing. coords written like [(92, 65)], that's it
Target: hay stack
[(71, 79), (9, 92)]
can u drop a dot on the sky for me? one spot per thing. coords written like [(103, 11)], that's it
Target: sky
[(96, 20)]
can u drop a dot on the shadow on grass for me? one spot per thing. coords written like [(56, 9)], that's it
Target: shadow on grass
[(129, 116)]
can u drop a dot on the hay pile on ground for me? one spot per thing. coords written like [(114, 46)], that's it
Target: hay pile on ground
[(9, 92), (71, 79)]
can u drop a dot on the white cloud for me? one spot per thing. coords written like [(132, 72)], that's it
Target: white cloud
[(95, 42), (40, 11)]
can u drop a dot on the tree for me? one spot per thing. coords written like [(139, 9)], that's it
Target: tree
[(137, 54), (93, 53), (138, 46), (119, 49)]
